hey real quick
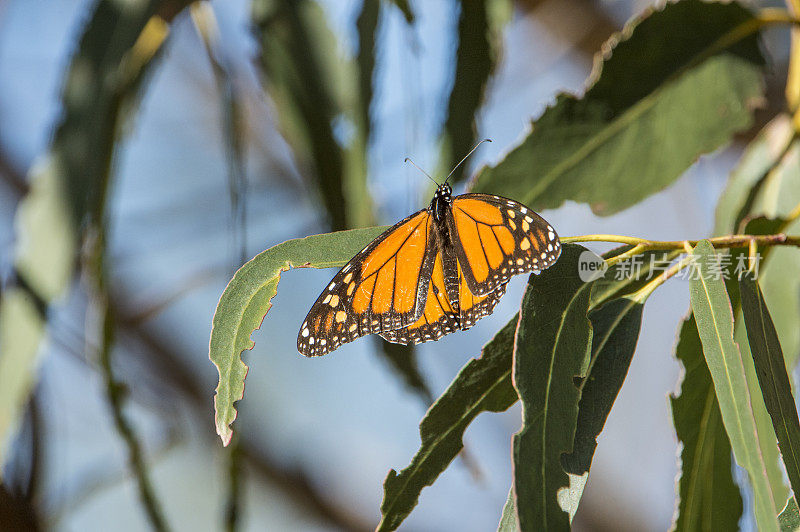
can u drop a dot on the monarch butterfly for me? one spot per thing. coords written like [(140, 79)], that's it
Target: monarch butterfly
[(438, 271)]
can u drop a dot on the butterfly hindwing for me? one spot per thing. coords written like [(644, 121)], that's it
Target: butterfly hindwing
[(437, 319), (495, 238), (380, 289), (441, 317)]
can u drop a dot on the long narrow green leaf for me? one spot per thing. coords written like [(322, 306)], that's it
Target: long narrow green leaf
[(367, 25), (712, 310), (246, 301), (551, 350), (615, 333), (646, 117), (479, 38), (772, 377), (317, 92), (483, 385), (708, 497), (22, 329), (739, 260), (759, 158)]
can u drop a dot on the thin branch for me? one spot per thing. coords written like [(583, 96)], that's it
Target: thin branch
[(292, 481), (115, 391), (728, 241)]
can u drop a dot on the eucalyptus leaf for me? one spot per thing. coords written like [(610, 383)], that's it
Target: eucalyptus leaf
[(645, 118), (708, 497), (615, 333), (551, 350), (246, 301), (22, 330), (483, 385), (759, 158), (479, 40), (772, 377), (712, 310)]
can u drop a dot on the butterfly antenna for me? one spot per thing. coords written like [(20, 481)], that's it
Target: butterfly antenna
[(408, 160), (465, 158)]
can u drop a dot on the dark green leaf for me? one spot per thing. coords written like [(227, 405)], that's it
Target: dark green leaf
[(298, 55), (789, 304), (246, 301), (551, 350), (772, 377), (712, 310), (708, 498), (478, 51), (615, 333), (367, 25), (483, 385), (665, 94)]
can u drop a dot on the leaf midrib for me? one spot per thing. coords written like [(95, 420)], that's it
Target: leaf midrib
[(438, 440), (748, 455)]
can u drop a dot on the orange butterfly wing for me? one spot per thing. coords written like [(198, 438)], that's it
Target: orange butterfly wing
[(496, 238), (440, 317), (380, 289)]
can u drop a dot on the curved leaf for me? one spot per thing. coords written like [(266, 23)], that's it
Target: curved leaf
[(647, 116), (772, 377), (615, 333), (712, 310), (551, 349), (246, 301)]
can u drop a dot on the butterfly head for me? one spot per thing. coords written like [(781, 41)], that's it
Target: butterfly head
[(441, 200)]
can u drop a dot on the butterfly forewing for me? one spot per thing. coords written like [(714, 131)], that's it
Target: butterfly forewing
[(495, 238), (383, 287), (424, 278)]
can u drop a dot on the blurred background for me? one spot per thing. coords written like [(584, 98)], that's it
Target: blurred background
[(224, 156)]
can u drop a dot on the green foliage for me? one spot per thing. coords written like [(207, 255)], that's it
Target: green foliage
[(772, 377), (483, 385), (551, 351), (615, 328), (712, 310), (708, 498), (21, 332), (480, 26), (665, 92), (246, 301), (69, 183), (675, 84), (649, 112), (312, 85)]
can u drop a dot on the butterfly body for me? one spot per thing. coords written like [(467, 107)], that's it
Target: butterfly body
[(435, 272)]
